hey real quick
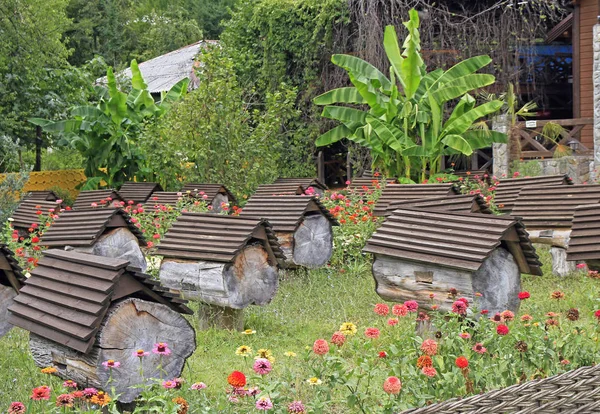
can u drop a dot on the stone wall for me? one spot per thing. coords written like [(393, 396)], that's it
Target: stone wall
[(580, 168)]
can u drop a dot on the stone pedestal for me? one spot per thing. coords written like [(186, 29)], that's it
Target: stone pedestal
[(560, 265)]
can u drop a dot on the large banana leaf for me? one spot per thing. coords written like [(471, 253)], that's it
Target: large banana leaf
[(388, 134), (137, 81), (87, 111), (466, 67), (412, 67), (340, 95), (478, 139), (460, 86), (465, 104), (176, 93), (362, 70), (458, 143), (333, 135), (462, 123), (67, 126), (117, 104), (392, 50), (343, 114)]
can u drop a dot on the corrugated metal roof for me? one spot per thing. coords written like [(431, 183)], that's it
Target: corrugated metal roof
[(508, 190), (162, 72), (11, 273), (402, 192), (280, 189), (216, 238), (47, 195), (462, 203), (551, 207), (69, 293), (211, 190), (286, 212), (454, 240), (303, 182), (82, 228), (27, 212), (103, 198), (138, 192), (584, 243)]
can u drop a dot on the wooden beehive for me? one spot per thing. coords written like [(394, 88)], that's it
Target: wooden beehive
[(94, 199), (309, 184), (302, 224), (584, 243), (83, 310), (454, 203), (46, 195), (166, 200), (280, 189), (226, 262), (507, 190), (138, 192), (403, 192), (30, 212), (214, 195), (107, 232), (418, 252), (11, 280)]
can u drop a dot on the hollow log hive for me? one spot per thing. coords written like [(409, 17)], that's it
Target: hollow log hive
[(227, 261), (403, 192), (421, 252), (460, 203), (302, 225), (317, 186), (585, 235), (29, 211), (138, 192), (102, 198), (507, 190), (11, 280), (216, 194)]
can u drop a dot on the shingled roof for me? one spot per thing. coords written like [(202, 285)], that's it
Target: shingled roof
[(69, 293), (211, 191), (551, 207), (138, 192), (584, 243), (507, 190), (454, 240), (304, 182), (371, 184), (46, 195), (83, 228), (280, 189), (11, 273), (402, 192), (216, 238), (285, 213), (461, 203), (27, 212), (165, 198), (103, 198)]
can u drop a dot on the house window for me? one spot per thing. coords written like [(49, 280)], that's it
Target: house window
[(424, 277)]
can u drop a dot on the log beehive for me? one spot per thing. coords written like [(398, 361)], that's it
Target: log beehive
[(403, 192), (11, 280), (138, 192), (453, 203), (507, 190), (214, 195)]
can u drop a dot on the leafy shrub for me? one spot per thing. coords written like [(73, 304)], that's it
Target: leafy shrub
[(11, 189)]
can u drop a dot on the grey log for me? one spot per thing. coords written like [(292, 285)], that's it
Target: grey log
[(130, 325), (313, 242), (217, 201), (560, 265), (7, 294)]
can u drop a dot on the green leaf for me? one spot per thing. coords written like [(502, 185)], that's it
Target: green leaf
[(392, 49), (478, 139), (117, 104), (176, 93), (458, 143), (340, 95), (363, 71), (466, 67), (412, 67), (137, 80), (333, 135), (463, 123), (344, 114), (388, 134), (460, 86), (466, 103), (87, 111)]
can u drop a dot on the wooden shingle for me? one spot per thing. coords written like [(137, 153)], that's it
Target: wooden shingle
[(46, 195), (102, 198), (280, 189), (29, 212), (403, 192), (304, 182), (210, 190), (162, 199), (138, 192), (585, 234), (507, 190), (461, 203), (11, 273)]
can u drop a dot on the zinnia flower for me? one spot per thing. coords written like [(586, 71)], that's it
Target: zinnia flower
[(169, 384), (183, 405), (338, 338), (111, 363), (161, 348), (101, 399), (526, 318), (348, 328), (264, 404), (429, 347), (429, 371), (424, 361), (392, 321), (296, 407), (507, 316), (382, 309), (524, 295), (65, 400), (383, 354), (248, 332), (48, 370), (291, 354), (40, 393), (314, 381), (262, 366), (459, 307), (479, 348), (140, 353), (198, 386), (372, 333), (244, 351), (573, 314), (392, 385), (69, 384), (236, 379), (462, 362), (320, 347), (557, 294), (411, 305), (17, 408), (400, 310), (464, 335), (465, 301), (502, 329), (90, 392), (597, 314), (265, 353)]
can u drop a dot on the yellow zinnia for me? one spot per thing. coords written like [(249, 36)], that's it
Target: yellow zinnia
[(290, 354), (244, 351), (266, 354), (314, 381), (248, 332), (348, 328)]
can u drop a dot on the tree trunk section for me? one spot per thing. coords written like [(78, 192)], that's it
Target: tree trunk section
[(313, 242), (7, 295), (129, 325), (560, 265), (217, 201)]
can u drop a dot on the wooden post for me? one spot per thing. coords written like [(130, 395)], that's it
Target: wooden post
[(321, 167), (474, 161), (348, 167)]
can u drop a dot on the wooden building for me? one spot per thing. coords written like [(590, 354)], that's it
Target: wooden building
[(83, 310), (419, 252), (138, 192), (97, 199), (11, 280)]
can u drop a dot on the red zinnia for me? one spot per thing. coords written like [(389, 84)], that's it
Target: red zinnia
[(524, 295), (320, 347), (372, 333), (382, 309), (462, 362), (459, 307), (597, 314), (392, 385), (41, 393), (338, 338), (237, 379), (400, 310), (35, 239), (502, 330)]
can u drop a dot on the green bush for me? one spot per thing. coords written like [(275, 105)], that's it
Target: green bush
[(11, 189)]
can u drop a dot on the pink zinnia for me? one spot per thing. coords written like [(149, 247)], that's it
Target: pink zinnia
[(411, 305), (338, 338), (381, 309), (392, 321), (465, 335), (320, 347), (392, 385), (90, 392), (429, 371), (111, 364), (459, 307), (296, 407), (464, 300), (372, 333), (262, 366), (17, 408), (70, 384), (264, 404), (40, 393), (161, 348), (198, 386), (479, 348), (429, 347), (400, 310), (507, 315), (140, 353), (169, 384)]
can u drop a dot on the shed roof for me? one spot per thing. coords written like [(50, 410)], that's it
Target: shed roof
[(210, 190), (584, 243), (370, 184), (69, 293), (402, 192), (27, 212), (460, 203), (454, 240), (216, 238), (83, 228), (103, 198), (286, 212), (165, 198), (11, 273), (281, 189), (507, 190), (304, 182), (550, 207), (138, 192), (46, 195)]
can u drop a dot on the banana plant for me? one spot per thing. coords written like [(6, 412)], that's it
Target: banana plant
[(106, 134), (410, 122)]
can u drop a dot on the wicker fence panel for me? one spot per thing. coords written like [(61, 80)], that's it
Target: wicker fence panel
[(576, 391)]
